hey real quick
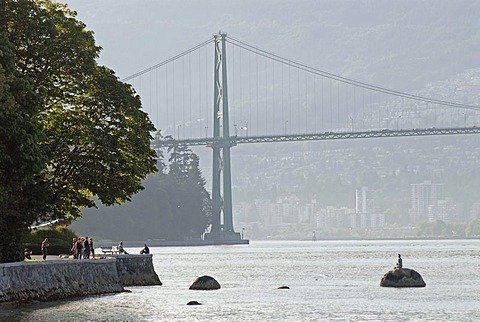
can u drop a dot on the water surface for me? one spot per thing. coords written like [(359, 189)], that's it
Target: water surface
[(328, 280)]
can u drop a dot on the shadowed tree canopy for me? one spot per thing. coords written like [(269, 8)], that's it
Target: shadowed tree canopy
[(87, 137), (174, 205)]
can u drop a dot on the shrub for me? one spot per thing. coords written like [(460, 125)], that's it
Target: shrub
[(59, 237)]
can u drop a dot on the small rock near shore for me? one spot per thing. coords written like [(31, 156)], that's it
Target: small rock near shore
[(194, 303)]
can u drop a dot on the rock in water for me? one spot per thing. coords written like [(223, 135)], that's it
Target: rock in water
[(402, 277), (205, 283), (193, 303)]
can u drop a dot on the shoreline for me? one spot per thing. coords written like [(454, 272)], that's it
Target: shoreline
[(190, 243), (59, 278)]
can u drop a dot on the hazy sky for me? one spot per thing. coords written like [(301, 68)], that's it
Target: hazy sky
[(376, 41)]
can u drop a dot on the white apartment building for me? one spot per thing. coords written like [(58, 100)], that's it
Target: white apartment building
[(367, 214), (425, 196)]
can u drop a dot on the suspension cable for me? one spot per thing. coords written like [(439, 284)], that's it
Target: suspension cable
[(342, 79), (186, 52)]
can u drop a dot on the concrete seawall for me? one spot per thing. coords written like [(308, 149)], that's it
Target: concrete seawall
[(58, 279), (136, 270)]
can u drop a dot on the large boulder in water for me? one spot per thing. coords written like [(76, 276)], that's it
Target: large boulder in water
[(402, 277), (205, 283)]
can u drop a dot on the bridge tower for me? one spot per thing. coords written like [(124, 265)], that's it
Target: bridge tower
[(222, 226)]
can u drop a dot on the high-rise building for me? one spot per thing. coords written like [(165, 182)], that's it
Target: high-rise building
[(367, 214), (424, 196), (364, 201)]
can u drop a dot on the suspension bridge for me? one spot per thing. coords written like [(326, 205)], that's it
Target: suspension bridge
[(269, 98)]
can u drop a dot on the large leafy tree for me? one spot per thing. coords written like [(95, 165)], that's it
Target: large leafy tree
[(96, 139), (23, 192)]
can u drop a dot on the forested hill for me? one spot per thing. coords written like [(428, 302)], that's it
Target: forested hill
[(397, 44)]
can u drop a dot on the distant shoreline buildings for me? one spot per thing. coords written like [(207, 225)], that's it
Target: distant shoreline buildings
[(428, 203)]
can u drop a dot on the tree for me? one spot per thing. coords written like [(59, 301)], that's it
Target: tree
[(23, 192), (473, 228), (191, 202), (96, 139)]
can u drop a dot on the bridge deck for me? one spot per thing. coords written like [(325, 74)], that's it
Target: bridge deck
[(234, 140)]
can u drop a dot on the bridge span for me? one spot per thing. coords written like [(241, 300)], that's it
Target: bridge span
[(385, 133)]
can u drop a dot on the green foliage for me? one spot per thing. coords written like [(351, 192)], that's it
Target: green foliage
[(473, 228), (174, 206), (97, 137), (71, 132), (59, 237), (431, 229), (23, 194)]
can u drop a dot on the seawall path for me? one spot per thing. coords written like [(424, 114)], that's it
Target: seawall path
[(61, 278)]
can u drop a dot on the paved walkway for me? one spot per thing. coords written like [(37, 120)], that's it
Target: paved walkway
[(57, 257)]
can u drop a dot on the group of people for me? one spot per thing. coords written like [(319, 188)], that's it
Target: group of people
[(82, 248), (121, 250)]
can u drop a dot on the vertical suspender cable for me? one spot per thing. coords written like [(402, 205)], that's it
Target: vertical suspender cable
[(306, 103), (206, 90), (156, 101), (249, 91), (173, 99), (166, 97), (322, 107), (190, 92), (282, 91), (289, 96), (183, 97), (331, 105), (241, 100), (266, 98), (150, 107), (273, 97), (200, 118), (298, 100), (257, 120), (315, 102)]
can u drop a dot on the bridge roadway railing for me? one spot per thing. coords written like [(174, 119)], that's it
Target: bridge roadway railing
[(385, 133)]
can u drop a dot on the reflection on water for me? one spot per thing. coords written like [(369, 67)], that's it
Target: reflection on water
[(327, 280)]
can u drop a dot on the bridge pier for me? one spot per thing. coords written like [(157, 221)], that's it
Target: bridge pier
[(226, 238), (222, 231)]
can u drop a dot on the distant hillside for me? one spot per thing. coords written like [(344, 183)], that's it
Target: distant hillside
[(397, 44), (428, 47)]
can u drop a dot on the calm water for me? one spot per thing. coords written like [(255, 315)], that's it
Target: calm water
[(328, 280)]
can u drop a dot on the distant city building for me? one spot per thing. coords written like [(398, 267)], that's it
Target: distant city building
[(475, 211), (367, 214), (445, 210), (367, 220), (334, 217), (425, 198), (365, 201)]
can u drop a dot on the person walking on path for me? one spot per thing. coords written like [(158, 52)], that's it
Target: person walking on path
[(92, 249), (86, 248), (74, 248), (79, 248), (45, 245)]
